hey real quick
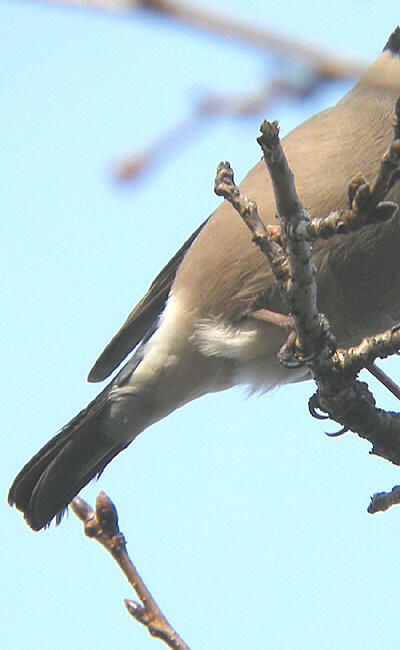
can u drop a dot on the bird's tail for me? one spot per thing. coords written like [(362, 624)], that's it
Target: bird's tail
[(147, 388), (50, 480)]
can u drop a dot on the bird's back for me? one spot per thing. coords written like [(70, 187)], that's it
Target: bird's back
[(224, 276)]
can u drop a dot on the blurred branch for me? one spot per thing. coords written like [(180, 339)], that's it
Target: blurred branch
[(237, 29), (102, 525), (210, 107), (319, 67), (113, 6), (256, 37)]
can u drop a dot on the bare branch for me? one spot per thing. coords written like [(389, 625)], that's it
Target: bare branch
[(225, 186), (102, 526), (340, 395), (384, 500), (301, 290), (371, 348)]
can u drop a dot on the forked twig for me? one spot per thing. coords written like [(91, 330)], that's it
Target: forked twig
[(340, 394)]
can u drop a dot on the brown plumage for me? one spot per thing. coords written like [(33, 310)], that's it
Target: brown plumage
[(193, 322)]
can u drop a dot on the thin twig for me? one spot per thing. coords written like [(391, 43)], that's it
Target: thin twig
[(384, 379), (102, 526), (134, 166), (263, 237)]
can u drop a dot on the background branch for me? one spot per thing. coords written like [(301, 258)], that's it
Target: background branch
[(237, 29), (319, 68)]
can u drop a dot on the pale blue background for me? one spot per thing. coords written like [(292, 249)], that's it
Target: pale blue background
[(246, 521)]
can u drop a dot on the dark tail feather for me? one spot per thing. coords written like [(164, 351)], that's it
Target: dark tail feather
[(52, 478)]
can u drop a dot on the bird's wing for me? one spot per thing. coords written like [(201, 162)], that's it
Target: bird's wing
[(142, 317)]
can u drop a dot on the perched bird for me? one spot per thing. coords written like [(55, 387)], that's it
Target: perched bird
[(194, 332)]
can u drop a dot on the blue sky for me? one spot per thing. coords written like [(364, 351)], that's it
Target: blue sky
[(248, 524)]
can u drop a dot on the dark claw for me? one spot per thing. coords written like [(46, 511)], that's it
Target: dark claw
[(291, 364), (298, 362), (335, 434), (313, 405), (311, 357)]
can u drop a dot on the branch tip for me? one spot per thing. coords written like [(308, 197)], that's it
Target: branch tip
[(269, 137), (103, 526), (382, 501), (81, 509), (106, 514)]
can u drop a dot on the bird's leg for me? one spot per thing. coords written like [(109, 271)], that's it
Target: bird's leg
[(273, 318)]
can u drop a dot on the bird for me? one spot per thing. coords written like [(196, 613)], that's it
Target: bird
[(194, 331)]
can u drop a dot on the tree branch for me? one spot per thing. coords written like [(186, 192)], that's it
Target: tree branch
[(102, 526), (340, 395), (384, 500)]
